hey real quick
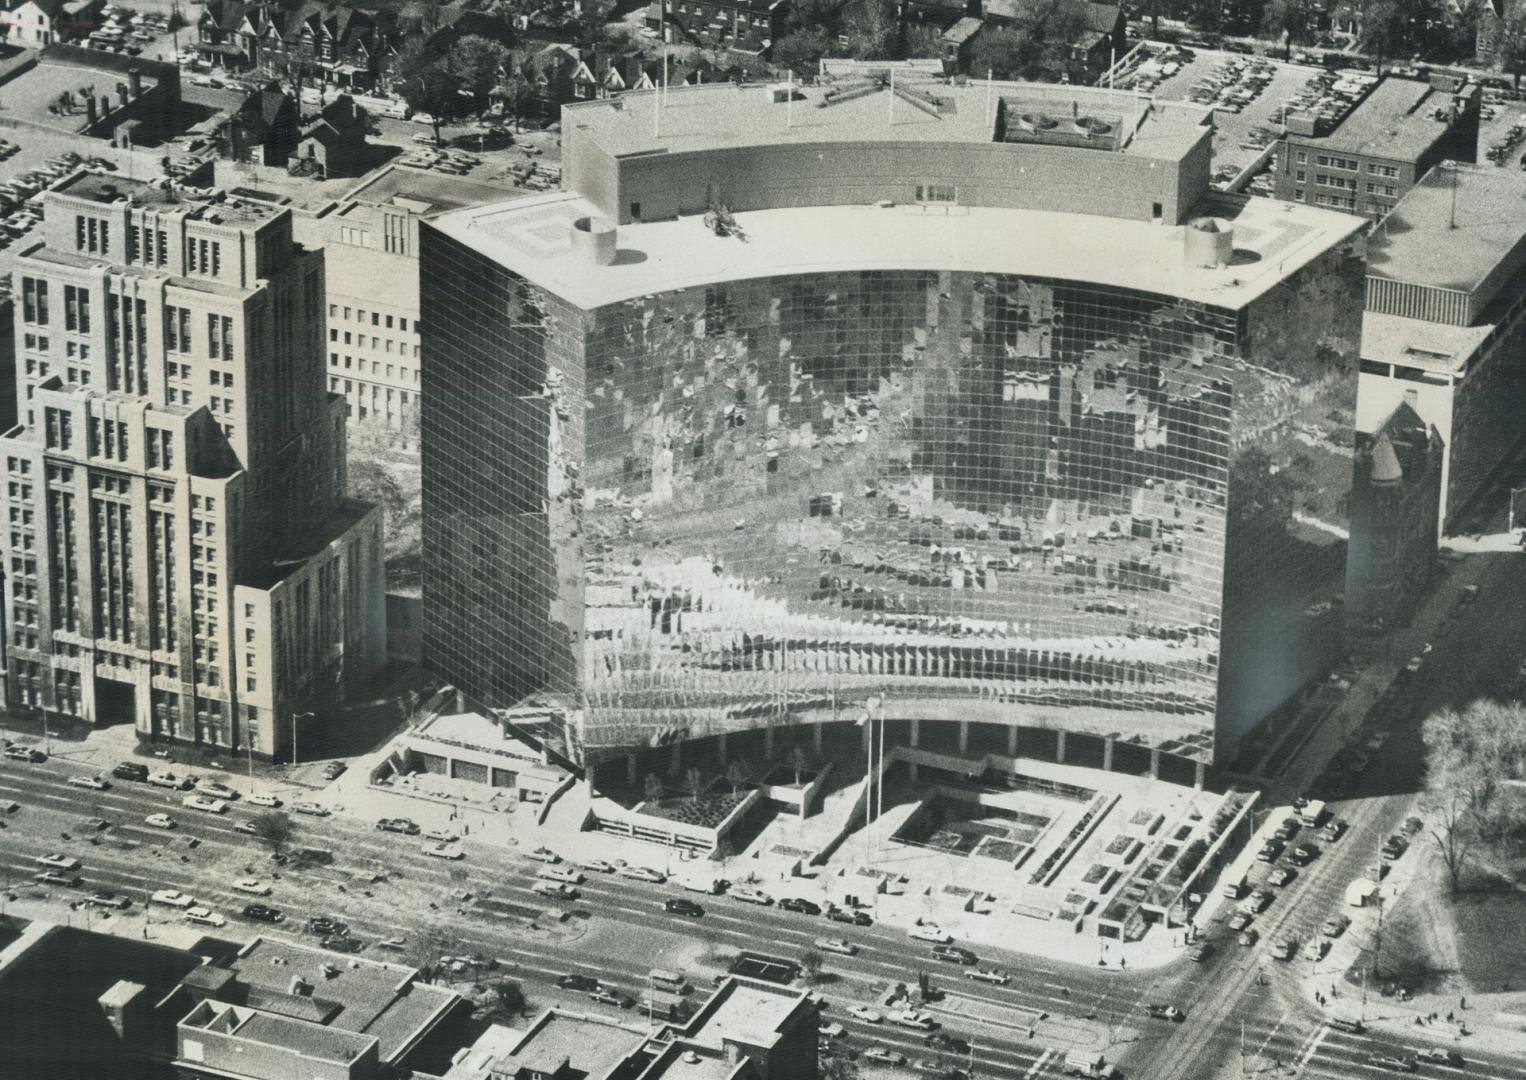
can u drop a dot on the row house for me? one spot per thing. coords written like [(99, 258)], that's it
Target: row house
[(746, 26), (326, 42)]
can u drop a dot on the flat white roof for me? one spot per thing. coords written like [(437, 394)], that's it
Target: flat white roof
[(531, 237)]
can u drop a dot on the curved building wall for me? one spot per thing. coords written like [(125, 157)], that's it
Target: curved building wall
[(1008, 175), (966, 496)]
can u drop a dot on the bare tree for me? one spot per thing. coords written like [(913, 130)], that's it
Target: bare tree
[(798, 762), (736, 775), (1470, 755), (274, 829), (653, 787), (694, 782)]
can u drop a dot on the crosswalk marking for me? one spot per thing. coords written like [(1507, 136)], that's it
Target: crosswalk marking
[(1038, 1066), (1314, 1044)]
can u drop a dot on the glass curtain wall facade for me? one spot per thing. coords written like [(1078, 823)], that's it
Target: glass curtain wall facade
[(963, 496)]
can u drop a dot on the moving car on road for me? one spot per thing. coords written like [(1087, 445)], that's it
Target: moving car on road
[(559, 889), (1442, 1055), (166, 779), (130, 770), (445, 836), (605, 996), (1166, 1012), (571, 875), (885, 1055), (95, 783), (252, 885), (866, 1014), (831, 1029), (597, 866), (544, 854), (262, 799), (953, 954), (444, 851), (852, 916), (311, 808), (1392, 1061), (678, 905), (580, 983), (995, 976), (216, 790), (68, 879), (398, 825)]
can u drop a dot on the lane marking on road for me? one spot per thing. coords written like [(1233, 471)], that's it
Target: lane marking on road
[(1314, 1044), (1038, 1066)]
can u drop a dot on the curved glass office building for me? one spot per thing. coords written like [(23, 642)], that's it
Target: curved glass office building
[(967, 406)]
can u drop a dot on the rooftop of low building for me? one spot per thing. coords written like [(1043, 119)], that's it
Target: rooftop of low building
[(1397, 119), (1453, 228)]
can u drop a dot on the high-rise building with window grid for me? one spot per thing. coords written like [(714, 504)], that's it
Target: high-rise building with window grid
[(969, 407), (179, 549)]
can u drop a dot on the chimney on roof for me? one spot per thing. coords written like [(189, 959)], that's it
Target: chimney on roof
[(90, 109), (135, 82)]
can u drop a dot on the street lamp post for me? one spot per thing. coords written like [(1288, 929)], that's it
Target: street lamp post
[(294, 718)]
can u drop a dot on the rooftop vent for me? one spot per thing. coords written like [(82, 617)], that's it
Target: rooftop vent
[(1208, 243), (1090, 126), (594, 241), (1037, 122)]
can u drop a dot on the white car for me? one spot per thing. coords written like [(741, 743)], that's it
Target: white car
[(990, 975), (312, 808), (832, 1029), (160, 821), (165, 778), (643, 873), (881, 1053), (172, 898), (444, 851), (865, 1013), (445, 836), (841, 946), (216, 790), (749, 895), (570, 874), (95, 783), (246, 827), (914, 1019), (205, 916), (597, 866), (559, 889), (544, 854), (253, 886), (264, 800), (205, 804), (928, 932), (58, 861)]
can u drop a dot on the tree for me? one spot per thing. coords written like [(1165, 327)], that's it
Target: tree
[(510, 997), (1001, 52), (590, 24), (653, 787), (1282, 20), (432, 942), (1470, 755), (810, 964), (838, 1067), (1510, 44), (517, 94), (736, 775), (923, 41), (694, 782), (425, 84), (273, 828), (870, 26), (801, 50), (479, 64)]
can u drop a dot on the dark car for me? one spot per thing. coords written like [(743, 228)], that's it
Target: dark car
[(1333, 831), (941, 1040), (953, 954), (1200, 953), (1394, 847), (581, 983), (1166, 1012), (326, 925), (1288, 829), (1392, 1061), (612, 997), (677, 905), (262, 913), (844, 915), (1303, 855), (25, 753), (1269, 851), (399, 825), (131, 770), (342, 944), (803, 907), (334, 769)]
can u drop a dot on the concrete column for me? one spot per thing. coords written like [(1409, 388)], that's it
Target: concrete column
[(720, 748), (1154, 764), (816, 736), (678, 756), (1107, 755), (868, 736), (768, 743), (964, 736), (916, 732), (1059, 747), (1012, 741), (1199, 775), (630, 768)]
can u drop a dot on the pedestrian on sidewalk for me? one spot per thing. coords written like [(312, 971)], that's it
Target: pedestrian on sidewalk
[(1463, 1005), (1450, 1017)]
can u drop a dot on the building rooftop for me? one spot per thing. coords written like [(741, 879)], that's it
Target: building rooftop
[(744, 1012), (381, 1000), (861, 107), (311, 1040), (681, 1062), (590, 1044), (531, 237), (1453, 229), (1396, 120), (1417, 343)]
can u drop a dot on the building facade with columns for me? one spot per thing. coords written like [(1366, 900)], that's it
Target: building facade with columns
[(181, 555), (966, 408)]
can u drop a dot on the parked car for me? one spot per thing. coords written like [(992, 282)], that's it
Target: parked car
[(328, 926), (310, 808), (444, 836), (597, 866), (334, 769), (953, 954), (1250, 937), (885, 1055), (558, 889), (1335, 926), (605, 996), (642, 873), (852, 916), (1285, 949), (108, 899), (95, 783), (216, 790), (160, 821), (167, 779), (28, 754), (1166, 1012), (345, 944), (444, 851), (204, 804), (989, 975), (748, 895), (130, 770), (398, 825), (57, 861), (1240, 920), (866, 1014), (929, 932), (252, 885), (1393, 1061), (1281, 876), (544, 854), (204, 916), (799, 906), (581, 983), (172, 898), (263, 913), (262, 799)]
